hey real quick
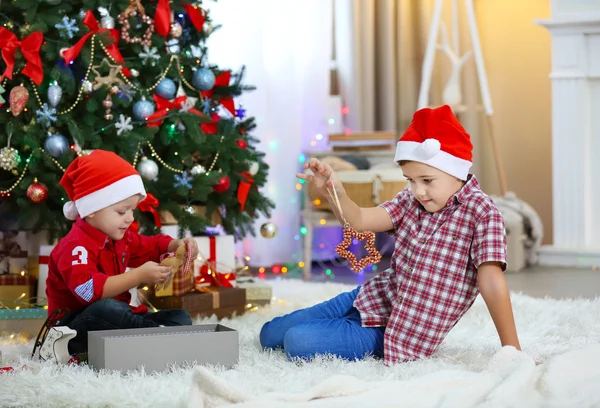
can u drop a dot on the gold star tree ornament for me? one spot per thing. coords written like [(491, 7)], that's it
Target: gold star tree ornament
[(109, 80)]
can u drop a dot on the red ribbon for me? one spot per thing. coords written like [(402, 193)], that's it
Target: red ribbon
[(113, 49), (196, 15), (30, 49), (222, 80), (162, 18), (163, 106), (220, 279), (211, 128), (149, 204), (212, 258), (244, 189)]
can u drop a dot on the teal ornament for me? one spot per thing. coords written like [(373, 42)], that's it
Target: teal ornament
[(56, 144), (203, 79), (2, 90), (142, 109), (166, 89)]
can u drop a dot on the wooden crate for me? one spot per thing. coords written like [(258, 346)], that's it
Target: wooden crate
[(367, 188), (363, 141)]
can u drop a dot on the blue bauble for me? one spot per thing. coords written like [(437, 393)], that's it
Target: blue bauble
[(166, 89), (142, 109), (56, 145), (203, 79)]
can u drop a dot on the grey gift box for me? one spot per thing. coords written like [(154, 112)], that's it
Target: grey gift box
[(158, 348)]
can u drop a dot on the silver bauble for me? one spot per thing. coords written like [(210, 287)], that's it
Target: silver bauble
[(56, 144), (107, 22), (268, 230), (253, 167), (54, 95), (189, 209), (142, 109), (173, 46), (134, 73), (207, 27), (198, 169), (147, 168), (9, 158), (87, 86), (166, 88), (203, 79), (176, 30)]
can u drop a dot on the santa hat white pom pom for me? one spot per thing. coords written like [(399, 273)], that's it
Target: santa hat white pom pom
[(70, 211), (429, 148)]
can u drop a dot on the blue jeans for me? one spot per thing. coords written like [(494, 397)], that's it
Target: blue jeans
[(111, 314), (331, 327)]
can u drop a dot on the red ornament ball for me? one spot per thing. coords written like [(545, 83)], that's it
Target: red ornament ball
[(37, 192), (222, 185), (242, 144)]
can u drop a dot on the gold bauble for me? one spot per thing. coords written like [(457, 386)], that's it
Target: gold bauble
[(268, 230)]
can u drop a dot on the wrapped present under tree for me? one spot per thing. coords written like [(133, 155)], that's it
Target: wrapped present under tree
[(222, 302)]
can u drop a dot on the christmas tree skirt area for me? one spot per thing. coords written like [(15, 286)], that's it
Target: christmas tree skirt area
[(470, 369)]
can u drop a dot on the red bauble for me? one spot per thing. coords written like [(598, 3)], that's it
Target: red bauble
[(222, 185), (241, 143), (37, 192)]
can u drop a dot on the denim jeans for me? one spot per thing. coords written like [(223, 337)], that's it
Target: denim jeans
[(331, 327), (111, 314)]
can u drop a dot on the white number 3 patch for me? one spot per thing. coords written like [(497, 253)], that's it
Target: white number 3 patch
[(81, 254)]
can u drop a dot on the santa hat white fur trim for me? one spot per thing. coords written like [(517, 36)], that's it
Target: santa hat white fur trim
[(429, 152), (105, 197)]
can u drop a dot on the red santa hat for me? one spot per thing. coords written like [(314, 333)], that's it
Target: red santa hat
[(97, 181), (435, 137)]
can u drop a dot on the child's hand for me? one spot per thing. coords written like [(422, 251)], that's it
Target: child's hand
[(193, 247), (323, 177), (151, 273)]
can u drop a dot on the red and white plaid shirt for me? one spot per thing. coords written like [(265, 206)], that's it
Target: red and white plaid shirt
[(432, 280)]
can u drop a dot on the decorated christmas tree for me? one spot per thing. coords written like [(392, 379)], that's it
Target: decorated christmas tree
[(131, 77)]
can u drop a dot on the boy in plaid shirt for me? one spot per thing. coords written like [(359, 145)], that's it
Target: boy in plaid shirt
[(450, 246)]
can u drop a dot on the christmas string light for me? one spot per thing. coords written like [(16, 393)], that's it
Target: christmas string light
[(80, 93), (162, 76), (16, 184)]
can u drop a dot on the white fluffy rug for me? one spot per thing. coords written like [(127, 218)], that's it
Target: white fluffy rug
[(547, 328)]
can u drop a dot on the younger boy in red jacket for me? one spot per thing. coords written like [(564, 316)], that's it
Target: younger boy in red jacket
[(86, 272)]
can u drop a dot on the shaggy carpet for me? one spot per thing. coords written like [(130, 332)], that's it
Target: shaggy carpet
[(547, 329)]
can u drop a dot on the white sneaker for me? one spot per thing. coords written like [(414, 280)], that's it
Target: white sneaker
[(55, 347)]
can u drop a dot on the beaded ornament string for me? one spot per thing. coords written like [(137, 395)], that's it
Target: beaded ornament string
[(349, 233)]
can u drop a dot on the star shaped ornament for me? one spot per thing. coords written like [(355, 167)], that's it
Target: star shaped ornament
[(109, 80), (342, 248)]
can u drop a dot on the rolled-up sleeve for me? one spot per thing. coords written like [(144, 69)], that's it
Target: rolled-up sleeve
[(78, 267), (489, 239)]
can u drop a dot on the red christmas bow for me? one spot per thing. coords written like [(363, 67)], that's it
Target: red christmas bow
[(196, 14), (162, 18), (163, 107), (244, 189), (149, 204), (208, 270), (222, 80), (113, 49), (30, 49), (211, 127)]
